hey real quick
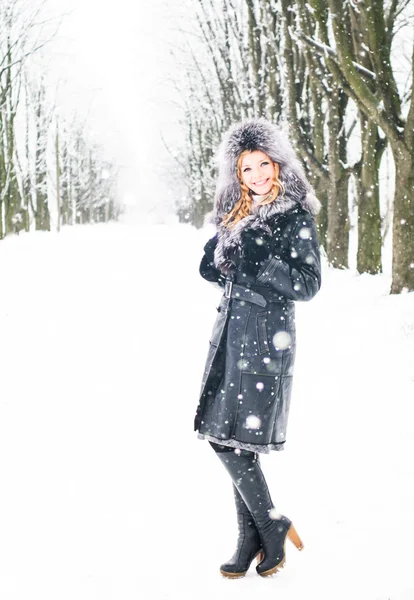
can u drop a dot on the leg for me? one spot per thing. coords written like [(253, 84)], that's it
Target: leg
[(247, 476), (248, 542)]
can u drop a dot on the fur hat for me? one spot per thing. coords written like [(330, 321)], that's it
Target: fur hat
[(256, 134), (260, 134)]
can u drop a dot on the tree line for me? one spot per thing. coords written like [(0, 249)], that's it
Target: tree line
[(47, 165), (336, 73)]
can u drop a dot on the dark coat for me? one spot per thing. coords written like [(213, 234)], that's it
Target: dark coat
[(247, 382)]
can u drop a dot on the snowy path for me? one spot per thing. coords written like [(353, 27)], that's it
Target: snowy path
[(99, 500)]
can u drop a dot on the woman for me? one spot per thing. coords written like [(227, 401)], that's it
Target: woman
[(265, 255)]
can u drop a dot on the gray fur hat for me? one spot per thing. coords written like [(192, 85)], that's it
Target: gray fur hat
[(260, 134), (256, 134)]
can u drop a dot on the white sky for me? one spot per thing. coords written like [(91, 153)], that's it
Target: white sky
[(112, 61)]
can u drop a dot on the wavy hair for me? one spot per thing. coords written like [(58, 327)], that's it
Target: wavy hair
[(242, 207)]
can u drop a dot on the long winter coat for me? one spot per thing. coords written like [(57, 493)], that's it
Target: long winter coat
[(246, 388)]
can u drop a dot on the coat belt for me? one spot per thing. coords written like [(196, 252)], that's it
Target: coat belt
[(233, 290), (240, 292)]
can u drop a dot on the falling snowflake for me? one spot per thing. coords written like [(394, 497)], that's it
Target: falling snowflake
[(281, 340), (242, 364), (305, 233), (274, 514), (271, 366), (253, 422)]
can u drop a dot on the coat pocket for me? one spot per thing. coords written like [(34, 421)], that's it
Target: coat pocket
[(262, 334)]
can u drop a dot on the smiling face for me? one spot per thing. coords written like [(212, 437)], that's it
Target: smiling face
[(257, 172)]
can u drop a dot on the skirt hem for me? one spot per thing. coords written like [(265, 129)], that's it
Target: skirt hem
[(264, 448)]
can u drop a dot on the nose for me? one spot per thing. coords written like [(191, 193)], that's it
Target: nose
[(258, 174)]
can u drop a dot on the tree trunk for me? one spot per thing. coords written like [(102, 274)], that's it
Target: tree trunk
[(91, 190), (403, 222), (255, 48), (369, 219), (57, 177), (338, 221), (322, 218), (71, 193), (42, 218), (320, 183), (13, 204), (2, 174), (3, 179)]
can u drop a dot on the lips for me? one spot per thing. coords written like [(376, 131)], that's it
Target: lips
[(260, 183)]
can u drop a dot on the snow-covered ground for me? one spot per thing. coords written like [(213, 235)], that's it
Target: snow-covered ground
[(105, 492)]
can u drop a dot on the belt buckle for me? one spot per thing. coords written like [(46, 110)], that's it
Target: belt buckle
[(228, 288)]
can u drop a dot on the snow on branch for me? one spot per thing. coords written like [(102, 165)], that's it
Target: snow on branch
[(324, 49)]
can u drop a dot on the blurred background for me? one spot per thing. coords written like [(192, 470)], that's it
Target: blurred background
[(120, 111)]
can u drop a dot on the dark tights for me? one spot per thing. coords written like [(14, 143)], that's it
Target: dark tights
[(245, 471)]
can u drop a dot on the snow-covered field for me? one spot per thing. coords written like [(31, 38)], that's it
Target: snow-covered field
[(105, 492)]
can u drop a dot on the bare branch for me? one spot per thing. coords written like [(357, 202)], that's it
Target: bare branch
[(324, 49)]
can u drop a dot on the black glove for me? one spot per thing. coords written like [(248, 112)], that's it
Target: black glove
[(210, 247), (208, 269), (255, 250)]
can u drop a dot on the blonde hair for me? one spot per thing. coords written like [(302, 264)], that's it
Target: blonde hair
[(242, 207)]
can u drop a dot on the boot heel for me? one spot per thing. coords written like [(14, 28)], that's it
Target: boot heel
[(260, 557), (294, 538)]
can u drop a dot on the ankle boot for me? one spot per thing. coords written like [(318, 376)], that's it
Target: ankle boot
[(248, 542), (247, 476)]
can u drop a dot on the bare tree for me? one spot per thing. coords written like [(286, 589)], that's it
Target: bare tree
[(22, 34), (381, 102), (231, 72)]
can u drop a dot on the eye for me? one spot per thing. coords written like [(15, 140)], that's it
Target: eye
[(265, 162), (246, 169)]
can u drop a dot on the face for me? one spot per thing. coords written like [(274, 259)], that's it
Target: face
[(257, 171)]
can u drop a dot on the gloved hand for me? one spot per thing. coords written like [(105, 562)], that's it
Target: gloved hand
[(210, 247), (207, 267), (256, 249)]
